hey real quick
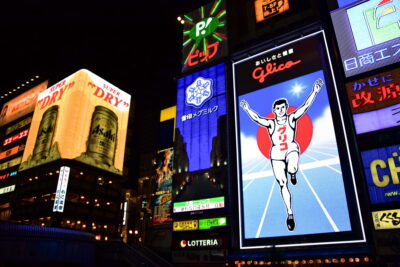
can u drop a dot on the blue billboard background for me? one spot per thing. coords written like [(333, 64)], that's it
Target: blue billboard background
[(199, 125), (319, 198), (383, 186)]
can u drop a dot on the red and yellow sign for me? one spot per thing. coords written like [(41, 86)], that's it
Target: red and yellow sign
[(11, 151), (269, 8), (84, 118), (21, 105)]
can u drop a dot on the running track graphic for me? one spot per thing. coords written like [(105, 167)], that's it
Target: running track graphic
[(318, 200)]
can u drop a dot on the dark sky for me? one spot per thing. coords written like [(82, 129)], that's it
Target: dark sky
[(134, 45)]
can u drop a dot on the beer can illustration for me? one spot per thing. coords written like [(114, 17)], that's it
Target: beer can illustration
[(102, 141), (45, 134)]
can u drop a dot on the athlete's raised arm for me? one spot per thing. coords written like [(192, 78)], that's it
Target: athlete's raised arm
[(254, 115), (310, 99)]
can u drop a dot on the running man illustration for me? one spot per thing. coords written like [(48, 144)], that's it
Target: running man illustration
[(284, 150)]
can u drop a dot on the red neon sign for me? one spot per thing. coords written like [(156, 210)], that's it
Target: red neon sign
[(260, 74), (16, 137)]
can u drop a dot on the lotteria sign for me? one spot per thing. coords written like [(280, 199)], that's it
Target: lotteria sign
[(201, 243)]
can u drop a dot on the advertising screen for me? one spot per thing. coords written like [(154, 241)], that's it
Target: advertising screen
[(380, 166), (82, 117), (291, 148), (268, 8), (374, 101), (368, 35), (21, 105), (204, 35), (162, 198), (200, 139)]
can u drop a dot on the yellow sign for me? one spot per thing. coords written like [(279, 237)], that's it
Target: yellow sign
[(386, 219), (19, 125), (84, 118), (269, 8), (186, 225), (10, 163), (21, 105)]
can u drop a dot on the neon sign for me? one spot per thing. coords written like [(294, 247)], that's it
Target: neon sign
[(204, 35), (266, 9), (16, 137), (368, 35), (200, 204), (374, 101)]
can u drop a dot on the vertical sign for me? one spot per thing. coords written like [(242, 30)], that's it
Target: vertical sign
[(61, 192), (290, 154)]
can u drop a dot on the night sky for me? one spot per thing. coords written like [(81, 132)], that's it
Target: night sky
[(135, 45)]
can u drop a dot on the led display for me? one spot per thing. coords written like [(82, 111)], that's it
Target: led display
[(82, 117), (200, 204), (291, 151), (21, 105), (368, 35), (61, 192), (266, 9), (205, 224), (374, 101), (381, 166), (386, 219), (162, 199), (204, 35)]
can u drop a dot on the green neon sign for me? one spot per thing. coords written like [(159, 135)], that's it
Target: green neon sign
[(205, 224)]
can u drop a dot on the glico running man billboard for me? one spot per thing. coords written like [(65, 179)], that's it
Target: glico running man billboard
[(368, 34), (204, 35), (291, 150), (200, 141), (82, 117)]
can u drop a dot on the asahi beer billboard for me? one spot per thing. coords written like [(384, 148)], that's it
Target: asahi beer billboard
[(82, 117), (292, 150), (21, 105)]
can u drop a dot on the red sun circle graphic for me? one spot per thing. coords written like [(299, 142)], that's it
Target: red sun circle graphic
[(304, 132)]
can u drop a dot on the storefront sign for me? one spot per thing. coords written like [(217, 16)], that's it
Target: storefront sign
[(61, 192), (201, 204), (16, 137), (386, 219), (10, 163), (11, 151), (7, 189), (266, 9), (19, 125), (205, 224), (201, 243), (186, 225)]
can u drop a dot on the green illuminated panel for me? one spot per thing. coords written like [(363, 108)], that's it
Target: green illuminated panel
[(200, 204), (205, 224)]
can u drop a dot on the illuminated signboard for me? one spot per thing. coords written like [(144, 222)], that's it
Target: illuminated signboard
[(18, 125), (61, 192), (10, 174), (196, 243), (21, 105), (84, 118), (186, 225), (374, 101), (11, 151), (386, 219), (200, 204), (7, 189), (10, 163), (368, 35), (205, 224), (381, 166), (290, 154), (204, 35), (16, 137), (268, 8), (163, 197)]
